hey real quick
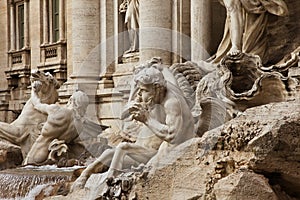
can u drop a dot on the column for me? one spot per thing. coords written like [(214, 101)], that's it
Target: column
[(26, 23), (109, 41), (62, 20), (45, 22), (181, 25), (156, 30), (12, 27), (200, 29)]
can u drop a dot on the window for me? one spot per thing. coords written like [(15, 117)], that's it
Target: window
[(53, 49), (20, 23), (55, 20), (19, 44)]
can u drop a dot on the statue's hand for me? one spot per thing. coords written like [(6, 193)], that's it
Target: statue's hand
[(139, 112)]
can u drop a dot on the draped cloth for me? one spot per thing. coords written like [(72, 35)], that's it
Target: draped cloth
[(255, 19), (132, 14), (132, 21)]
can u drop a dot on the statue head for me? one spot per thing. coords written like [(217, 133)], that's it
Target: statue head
[(150, 83), (79, 102)]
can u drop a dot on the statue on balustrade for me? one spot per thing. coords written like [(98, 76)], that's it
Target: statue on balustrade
[(131, 10), (245, 27), (165, 118)]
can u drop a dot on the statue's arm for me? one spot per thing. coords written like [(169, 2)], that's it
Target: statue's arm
[(44, 108), (173, 122)]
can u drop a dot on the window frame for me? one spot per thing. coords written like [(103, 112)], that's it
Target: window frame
[(55, 29), (20, 25)]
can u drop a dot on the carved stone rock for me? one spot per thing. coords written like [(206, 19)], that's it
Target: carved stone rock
[(262, 144), (244, 185), (242, 82), (10, 155)]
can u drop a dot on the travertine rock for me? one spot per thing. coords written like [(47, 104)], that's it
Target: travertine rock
[(244, 185), (10, 155), (262, 145)]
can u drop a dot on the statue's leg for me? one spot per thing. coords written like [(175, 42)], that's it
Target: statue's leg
[(39, 151), (235, 13), (10, 133), (95, 167), (136, 152)]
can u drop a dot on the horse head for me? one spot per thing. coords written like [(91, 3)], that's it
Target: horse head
[(45, 85)]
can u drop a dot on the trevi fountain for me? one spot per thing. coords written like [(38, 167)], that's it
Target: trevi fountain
[(149, 99)]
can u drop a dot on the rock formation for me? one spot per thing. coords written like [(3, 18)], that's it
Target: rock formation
[(254, 156)]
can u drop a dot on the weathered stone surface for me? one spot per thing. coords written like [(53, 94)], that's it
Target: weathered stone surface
[(262, 142), (244, 185), (10, 155), (264, 139)]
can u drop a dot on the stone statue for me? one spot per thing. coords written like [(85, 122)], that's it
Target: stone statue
[(26, 128), (131, 9), (259, 86), (62, 127), (161, 108), (245, 27)]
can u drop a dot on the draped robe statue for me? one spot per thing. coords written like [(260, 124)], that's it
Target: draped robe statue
[(131, 7), (245, 27)]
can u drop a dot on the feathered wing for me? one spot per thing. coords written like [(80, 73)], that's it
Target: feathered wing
[(187, 76), (209, 112)]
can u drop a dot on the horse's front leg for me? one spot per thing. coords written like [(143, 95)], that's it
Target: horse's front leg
[(10, 133)]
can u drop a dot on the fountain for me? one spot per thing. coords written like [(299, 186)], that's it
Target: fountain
[(30, 181)]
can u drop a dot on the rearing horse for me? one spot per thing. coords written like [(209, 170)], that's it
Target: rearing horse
[(26, 128)]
